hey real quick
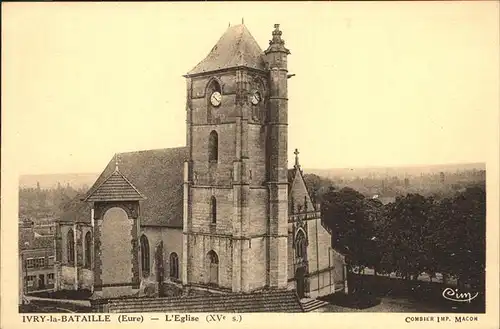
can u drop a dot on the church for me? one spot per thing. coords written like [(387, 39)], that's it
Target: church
[(224, 214)]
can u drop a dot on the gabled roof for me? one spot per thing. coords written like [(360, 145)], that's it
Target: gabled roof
[(158, 175), (297, 187), (235, 48), (115, 188)]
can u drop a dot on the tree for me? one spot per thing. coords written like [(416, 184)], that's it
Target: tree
[(460, 237), (317, 186), (347, 213), (406, 236)]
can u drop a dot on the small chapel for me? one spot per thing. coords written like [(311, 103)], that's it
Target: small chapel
[(224, 214)]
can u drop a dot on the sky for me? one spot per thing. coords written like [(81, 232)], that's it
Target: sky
[(377, 83)]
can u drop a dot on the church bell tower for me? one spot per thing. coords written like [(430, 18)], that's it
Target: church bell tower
[(235, 181)]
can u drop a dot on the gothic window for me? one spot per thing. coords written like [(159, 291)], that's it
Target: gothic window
[(213, 86), (213, 94), (300, 245), (71, 247), (88, 250), (213, 209), (174, 266), (213, 147), (213, 268), (144, 255)]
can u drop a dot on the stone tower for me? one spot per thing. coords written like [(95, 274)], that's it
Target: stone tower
[(235, 182)]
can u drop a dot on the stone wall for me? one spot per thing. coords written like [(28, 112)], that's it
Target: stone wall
[(201, 210), (116, 252), (255, 270), (256, 141), (321, 284), (258, 211), (171, 240), (85, 278), (198, 266), (67, 277)]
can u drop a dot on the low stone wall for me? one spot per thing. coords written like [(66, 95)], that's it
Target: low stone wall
[(67, 277), (85, 278)]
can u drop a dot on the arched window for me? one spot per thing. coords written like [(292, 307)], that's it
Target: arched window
[(213, 209), (144, 255), (71, 247), (300, 245), (174, 266), (213, 147), (88, 250), (212, 87), (213, 268)]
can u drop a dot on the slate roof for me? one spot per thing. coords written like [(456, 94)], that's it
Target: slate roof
[(236, 47), (115, 188), (291, 176), (158, 175), (283, 301)]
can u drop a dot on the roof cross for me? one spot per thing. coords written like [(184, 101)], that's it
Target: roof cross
[(117, 160), (296, 157)]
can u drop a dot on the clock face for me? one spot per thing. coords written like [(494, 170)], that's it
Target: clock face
[(256, 98), (216, 98)]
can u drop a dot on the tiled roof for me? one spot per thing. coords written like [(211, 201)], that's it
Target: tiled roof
[(236, 47), (115, 188), (41, 242), (158, 175), (44, 242), (283, 301), (76, 211)]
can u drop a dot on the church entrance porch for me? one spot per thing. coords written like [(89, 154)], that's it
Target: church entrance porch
[(300, 280)]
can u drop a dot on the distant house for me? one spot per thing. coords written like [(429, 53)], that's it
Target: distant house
[(36, 260), (384, 199)]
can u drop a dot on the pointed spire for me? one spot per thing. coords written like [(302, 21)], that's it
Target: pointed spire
[(242, 21)]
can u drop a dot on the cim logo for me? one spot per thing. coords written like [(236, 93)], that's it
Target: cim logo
[(456, 296)]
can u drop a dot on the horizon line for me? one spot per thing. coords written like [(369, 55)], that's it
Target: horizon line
[(305, 168)]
